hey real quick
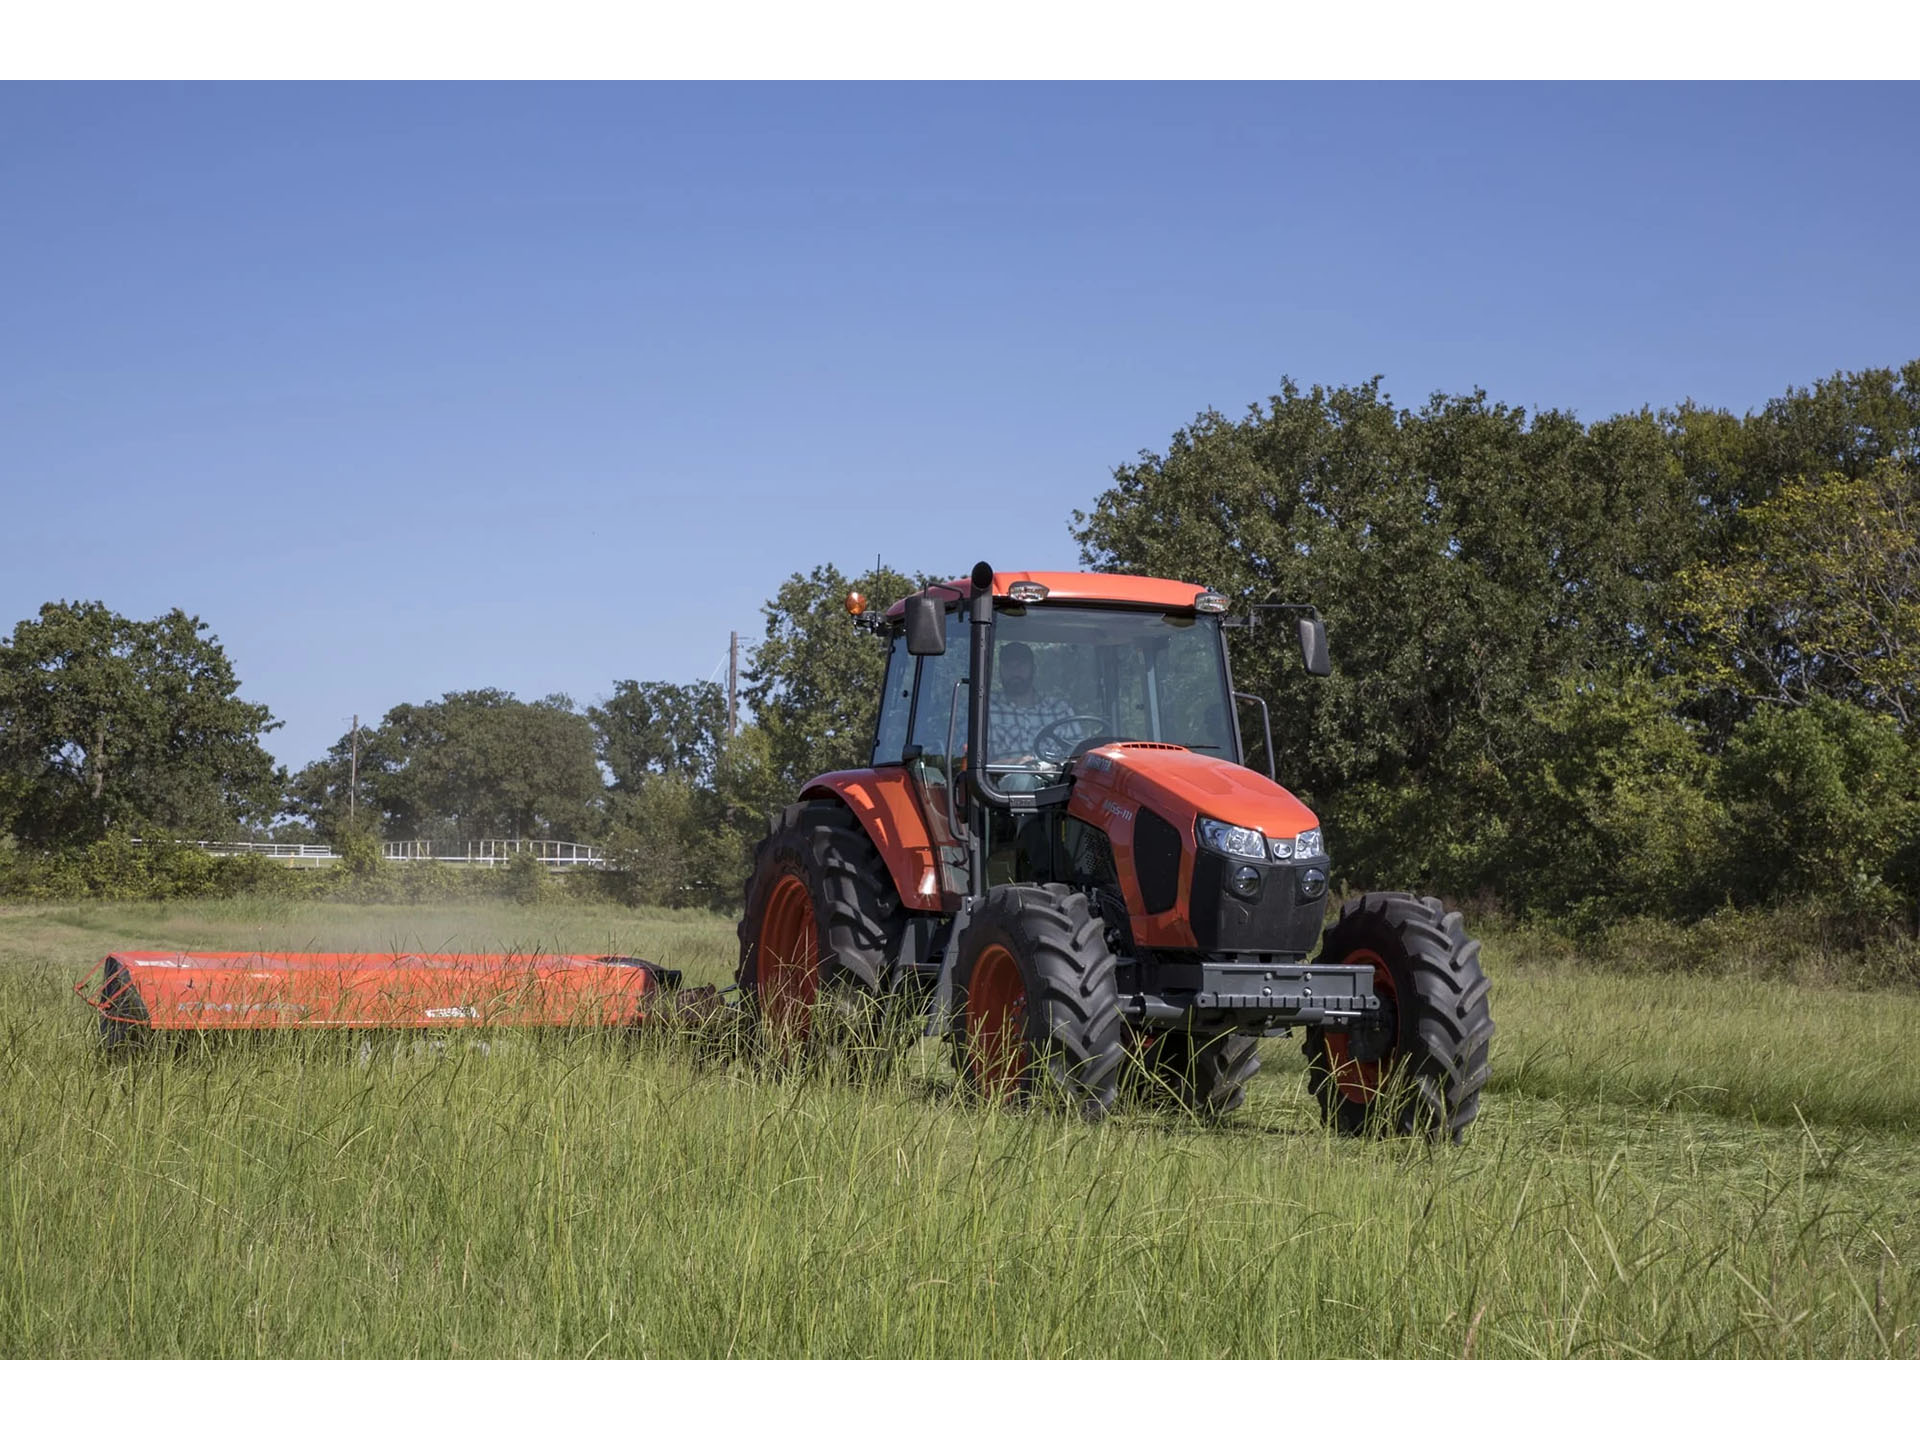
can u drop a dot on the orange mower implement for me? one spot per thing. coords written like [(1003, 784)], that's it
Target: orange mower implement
[(138, 991)]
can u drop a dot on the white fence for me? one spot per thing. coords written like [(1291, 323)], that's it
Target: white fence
[(554, 854)]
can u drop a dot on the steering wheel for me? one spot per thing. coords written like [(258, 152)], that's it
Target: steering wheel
[(1056, 749)]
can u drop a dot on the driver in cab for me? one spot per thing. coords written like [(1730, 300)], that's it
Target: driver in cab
[(1021, 713)]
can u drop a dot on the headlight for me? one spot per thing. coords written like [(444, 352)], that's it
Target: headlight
[(1232, 839), (1304, 846)]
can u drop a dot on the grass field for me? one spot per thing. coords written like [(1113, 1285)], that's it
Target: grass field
[(1665, 1166)]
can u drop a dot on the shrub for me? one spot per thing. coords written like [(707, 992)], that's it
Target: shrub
[(1821, 800), (525, 880), (1612, 814), (676, 845), (359, 852)]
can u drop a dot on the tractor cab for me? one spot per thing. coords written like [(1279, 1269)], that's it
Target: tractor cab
[(1071, 664)]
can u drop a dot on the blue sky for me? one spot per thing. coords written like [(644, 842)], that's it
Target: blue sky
[(422, 388)]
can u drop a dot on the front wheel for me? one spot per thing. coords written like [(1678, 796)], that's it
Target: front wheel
[(1205, 1074), (1039, 999), (1425, 1074)]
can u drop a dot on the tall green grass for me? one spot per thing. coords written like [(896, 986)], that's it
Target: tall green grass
[(1712, 1169)]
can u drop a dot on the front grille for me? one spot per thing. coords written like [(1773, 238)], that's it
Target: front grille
[(1275, 922)]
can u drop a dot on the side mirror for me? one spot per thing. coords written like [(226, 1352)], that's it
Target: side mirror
[(926, 626), (1313, 647)]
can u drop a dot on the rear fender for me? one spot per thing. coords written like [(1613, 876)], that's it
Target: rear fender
[(888, 808)]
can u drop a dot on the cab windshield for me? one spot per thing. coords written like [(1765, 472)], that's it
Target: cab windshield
[(1063, 677)]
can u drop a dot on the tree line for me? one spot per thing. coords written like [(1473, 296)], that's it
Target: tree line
[(112, 728), (1650, 665)]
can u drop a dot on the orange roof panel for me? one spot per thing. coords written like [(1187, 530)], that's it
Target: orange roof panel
[(1085, 587)]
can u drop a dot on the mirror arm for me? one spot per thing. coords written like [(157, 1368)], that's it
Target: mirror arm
[(1254, 610), (1315, 655), (1266, 724)]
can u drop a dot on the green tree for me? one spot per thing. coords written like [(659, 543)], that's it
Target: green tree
[(814, 681), (652, 727), (486, 765), (1849, 422), (1820, 595), (1463, 555), (1846, 425), (1611, 813), (109, 724), (682, 843), (1821, 798), (318, 792), (472, 765), (664, 832)]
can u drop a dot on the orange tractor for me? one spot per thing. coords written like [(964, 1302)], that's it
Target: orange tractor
[(1076, 877)]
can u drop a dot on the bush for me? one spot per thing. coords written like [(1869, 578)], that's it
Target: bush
[(1808, 942), (525, 881), (114, 868), (1822, 801), (1611, 806), (425, 881), (359, 852), (677, 845)]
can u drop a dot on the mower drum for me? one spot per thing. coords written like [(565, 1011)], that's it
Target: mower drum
[(151, 990)]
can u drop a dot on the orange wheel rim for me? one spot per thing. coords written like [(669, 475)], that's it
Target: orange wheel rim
[(997, 1022), (1359, 1080), (787, 975)]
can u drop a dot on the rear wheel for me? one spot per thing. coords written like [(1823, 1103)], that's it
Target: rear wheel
[(1039, 999), (821, 925), (1206, 1074), (1425, 1074)]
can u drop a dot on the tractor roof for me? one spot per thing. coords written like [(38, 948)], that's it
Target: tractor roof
[(1085, 587)]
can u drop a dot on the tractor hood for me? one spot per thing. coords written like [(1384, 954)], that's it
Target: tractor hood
[(1145, 797), (1179, 785)]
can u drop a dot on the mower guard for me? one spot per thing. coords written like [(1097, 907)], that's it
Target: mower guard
[(235, 990)]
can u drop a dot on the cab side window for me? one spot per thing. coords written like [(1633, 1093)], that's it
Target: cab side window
[(896, 704), (937, 706)]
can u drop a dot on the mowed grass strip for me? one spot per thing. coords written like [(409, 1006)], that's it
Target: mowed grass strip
[(1718, 1170)]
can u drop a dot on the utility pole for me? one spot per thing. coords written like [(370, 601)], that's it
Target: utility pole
[(733, 685), (353, 773)]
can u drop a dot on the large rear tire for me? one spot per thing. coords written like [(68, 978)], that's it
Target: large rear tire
[(1206, 1074), (822, 923), (1429, 1079), (1039, 1000)]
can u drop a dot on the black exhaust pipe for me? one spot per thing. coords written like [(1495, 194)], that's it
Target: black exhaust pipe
[(980, 688)]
